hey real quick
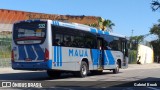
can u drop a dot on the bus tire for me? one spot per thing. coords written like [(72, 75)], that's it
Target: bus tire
[(116, 70), (53, 74), (83, 70)]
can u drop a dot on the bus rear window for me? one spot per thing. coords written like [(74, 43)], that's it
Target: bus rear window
[(30, 32)]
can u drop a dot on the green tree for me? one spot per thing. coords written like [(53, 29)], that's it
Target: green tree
[(135, 40), (155, 5), (92, 25), (156, 43), (156, 30), (105, 25)]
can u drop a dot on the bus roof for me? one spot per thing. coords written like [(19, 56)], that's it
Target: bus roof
[(76, 26), (85, 28)]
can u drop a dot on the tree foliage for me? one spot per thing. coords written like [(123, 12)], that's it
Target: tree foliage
[(92, 25), (156, 30), (156, 46), (103, 24), (155, 5), (156, 43), (135, 40), (106, 25)]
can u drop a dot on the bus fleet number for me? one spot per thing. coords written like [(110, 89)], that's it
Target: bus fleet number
[(41, 25)]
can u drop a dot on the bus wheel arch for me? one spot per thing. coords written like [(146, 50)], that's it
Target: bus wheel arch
[(84, 68), (85, 60), (119, 63)]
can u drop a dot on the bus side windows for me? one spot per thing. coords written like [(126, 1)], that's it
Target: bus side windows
[(57, 41), (67, 41), (90, 41), (69, 37), (112, 43), (107, 46)]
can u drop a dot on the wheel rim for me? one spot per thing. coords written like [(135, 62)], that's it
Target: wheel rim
[(117, 68), (84, 70)]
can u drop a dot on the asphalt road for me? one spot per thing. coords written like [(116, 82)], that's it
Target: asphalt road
[(124, 80)]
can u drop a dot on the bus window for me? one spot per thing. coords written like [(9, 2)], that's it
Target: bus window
[(89, 41), (113, 42), (29, 33), (67, 41), (106, 46), (58, 40)]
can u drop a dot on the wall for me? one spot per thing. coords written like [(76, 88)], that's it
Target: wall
[(145, 54)]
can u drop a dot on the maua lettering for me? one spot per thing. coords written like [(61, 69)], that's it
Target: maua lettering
[(78, 53)]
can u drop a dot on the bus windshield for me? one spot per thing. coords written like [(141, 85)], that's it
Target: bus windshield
[(30, 32)]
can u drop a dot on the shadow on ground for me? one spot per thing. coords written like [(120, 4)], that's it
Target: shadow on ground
[(41, 75)]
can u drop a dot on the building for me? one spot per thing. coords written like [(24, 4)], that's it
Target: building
[(8, 17), (145, 54)]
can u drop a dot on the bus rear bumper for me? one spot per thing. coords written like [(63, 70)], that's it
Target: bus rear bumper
[(32, 65)]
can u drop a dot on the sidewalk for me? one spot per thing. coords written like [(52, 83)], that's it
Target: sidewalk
[(143, 66)]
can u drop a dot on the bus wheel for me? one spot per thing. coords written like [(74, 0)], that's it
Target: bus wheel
[(83, 70), (116, 70), (53, 74)]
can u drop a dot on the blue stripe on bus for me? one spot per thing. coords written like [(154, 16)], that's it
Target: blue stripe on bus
[(100, 32), (30, 52), (53, 22), (39, 51), (57, 23), (95, 56), (22, 54), (55, 56), (110, 57), (93, 30), (60, 56), (107, 33)]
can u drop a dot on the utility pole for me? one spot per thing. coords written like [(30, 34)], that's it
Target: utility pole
[(132, 33), (131, 55)]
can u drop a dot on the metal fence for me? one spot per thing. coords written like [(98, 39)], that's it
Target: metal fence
[(132, 57), (5, 62), (5, 50)]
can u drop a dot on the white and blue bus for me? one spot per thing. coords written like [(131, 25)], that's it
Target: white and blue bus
[(58, 47)]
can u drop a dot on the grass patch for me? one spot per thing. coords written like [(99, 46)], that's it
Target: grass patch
[(5, 54)]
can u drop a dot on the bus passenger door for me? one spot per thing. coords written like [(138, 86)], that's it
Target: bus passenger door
[(100, 52)]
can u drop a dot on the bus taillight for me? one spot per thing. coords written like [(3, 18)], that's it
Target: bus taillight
[(12, 56), (46, 55)]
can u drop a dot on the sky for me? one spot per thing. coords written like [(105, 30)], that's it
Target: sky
[(127, 15)]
